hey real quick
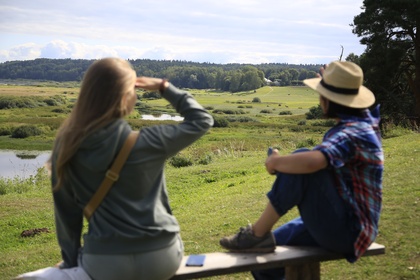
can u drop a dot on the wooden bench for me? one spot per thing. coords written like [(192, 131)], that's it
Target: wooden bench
[(300, 262)]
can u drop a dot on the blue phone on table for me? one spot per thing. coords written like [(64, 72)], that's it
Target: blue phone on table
[(195, 260)]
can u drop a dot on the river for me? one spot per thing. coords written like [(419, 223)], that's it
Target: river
[(21, 164)]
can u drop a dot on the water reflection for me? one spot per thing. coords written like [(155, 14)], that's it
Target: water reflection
[(163, 117), (21, 164)]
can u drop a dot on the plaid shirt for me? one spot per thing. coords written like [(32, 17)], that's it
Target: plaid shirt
[(354, 150)]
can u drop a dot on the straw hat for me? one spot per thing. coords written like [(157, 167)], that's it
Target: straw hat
[(342, 84)]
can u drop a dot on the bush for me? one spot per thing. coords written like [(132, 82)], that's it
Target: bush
[(307, 143), (220, 122), (180, 161), (229, 112), (241, 119), (5, 130), (207, 159), (315, 112), (285, 113), (60, 110), (25, 131), (256, 100), (327, 123), (152, 95), (10, 102)]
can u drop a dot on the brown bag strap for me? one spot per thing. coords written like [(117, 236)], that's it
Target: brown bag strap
[(111, 175)]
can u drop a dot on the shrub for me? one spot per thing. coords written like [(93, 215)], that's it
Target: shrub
[(60, 110), (241, 119), (180, 161), (25, 131), (152, 95), (229, 112), (307, 143), (207, 159), (220, 122), (302, 122), (265, 111), (256, 100), (285, 113), (51, 102), (315, 112), (327, 123), (5, 130)]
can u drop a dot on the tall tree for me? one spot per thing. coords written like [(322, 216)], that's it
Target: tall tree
[(389, 29)]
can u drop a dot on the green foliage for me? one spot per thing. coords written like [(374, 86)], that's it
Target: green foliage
[(226, 77), (180, 161), (6, 130), (206, 159), (286, 113), (151, 95), (307, 143), (326, 122), (391, 69), (256, 100), (315, 112), (25, 131), (241, 119), (220, 121), (10, 102), (229, 112), (21, 185), (266, 111)]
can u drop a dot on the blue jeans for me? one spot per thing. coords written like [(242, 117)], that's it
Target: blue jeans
[(325, 220)]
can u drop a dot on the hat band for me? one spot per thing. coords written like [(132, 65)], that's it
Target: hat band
[(349, 91)]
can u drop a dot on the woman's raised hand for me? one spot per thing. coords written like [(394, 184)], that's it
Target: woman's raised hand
[(149, 83)]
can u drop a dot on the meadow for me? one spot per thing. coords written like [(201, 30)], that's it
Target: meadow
[(223, 185)]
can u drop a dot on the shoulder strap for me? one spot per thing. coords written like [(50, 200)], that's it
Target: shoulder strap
[(111, 175)]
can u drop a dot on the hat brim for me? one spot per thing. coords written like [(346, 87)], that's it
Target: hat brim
[(364, 99)]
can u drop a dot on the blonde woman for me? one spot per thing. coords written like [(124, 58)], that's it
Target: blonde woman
[(132, 234)]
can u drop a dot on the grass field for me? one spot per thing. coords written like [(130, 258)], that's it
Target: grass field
[(226, 185)]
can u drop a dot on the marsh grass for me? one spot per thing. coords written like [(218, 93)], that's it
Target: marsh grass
[(225, 189)]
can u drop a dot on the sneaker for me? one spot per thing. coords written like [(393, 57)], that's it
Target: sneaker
[(245, 241)]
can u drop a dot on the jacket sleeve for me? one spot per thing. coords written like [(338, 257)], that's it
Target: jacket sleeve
[(173, 138), (69, 223)]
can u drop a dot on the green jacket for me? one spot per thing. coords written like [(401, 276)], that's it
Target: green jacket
[(135, 216)]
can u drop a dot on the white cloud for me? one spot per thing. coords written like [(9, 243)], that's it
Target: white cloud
[(21, 52), (215, 31)]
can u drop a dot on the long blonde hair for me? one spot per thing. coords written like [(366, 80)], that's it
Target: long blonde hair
[(102, 99)]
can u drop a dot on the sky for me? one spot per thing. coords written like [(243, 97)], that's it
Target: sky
[(214, 31)]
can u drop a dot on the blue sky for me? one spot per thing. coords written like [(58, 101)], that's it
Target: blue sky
[(228, 31)]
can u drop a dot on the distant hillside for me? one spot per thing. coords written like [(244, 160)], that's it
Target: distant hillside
[(184, 74)]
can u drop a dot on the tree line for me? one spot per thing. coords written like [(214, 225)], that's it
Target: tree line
[(184, 74), (391, 62)]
